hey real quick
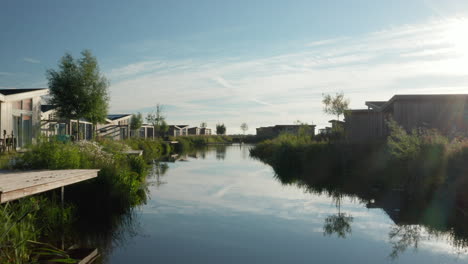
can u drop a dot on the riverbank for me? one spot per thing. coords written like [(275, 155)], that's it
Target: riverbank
[(93, 207)]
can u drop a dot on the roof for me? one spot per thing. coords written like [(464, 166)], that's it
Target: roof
[(335, 121), (375, 104), (17, 91), (117, 116), (45, 108), (20, 94), (379, 106), (179, 126), (294, 125)]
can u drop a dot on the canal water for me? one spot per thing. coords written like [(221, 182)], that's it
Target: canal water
[(221, 206)]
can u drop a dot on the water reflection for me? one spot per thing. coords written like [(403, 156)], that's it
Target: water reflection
[(215, 210), (418, 217), (158, 170), (340, 223), (220, 152)]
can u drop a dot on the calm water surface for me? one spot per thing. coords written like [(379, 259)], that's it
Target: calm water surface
[(221, 206)]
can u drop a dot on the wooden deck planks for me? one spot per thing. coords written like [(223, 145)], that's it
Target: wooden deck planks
[(16, 185)]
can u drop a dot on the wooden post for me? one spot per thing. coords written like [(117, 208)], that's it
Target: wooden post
[(62, 203)]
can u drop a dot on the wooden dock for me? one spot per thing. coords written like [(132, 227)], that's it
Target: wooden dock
[(15, 185), (134, 152)]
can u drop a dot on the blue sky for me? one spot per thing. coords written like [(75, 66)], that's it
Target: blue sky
[(260, 62)]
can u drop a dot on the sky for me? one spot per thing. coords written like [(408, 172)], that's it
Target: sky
[(259, 62)]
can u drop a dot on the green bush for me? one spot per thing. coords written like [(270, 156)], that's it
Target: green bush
[(152, 148), (52, 155)]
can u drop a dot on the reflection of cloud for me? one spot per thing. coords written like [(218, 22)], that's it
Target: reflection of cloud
[(243, 187)]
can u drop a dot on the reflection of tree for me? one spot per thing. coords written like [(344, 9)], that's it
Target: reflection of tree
[(158, 170), (403, 236), (244, 151), (221, 152), (339, 223), (203, 153)]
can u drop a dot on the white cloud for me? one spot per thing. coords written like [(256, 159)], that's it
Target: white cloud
[(326, 42), (288, 87), (31, 60)]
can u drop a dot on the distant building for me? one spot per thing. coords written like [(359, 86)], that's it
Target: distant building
[(448, 113), (193, 131), (205, 131), (53, 125), (177, 130), (274, 131), (117, 127), (146, 131), (325, 131)]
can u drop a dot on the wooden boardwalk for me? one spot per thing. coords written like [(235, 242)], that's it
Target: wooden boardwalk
[(15, 185)]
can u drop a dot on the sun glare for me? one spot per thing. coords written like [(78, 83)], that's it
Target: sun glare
[(457, 35)]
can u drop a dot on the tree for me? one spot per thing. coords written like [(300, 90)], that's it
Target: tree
[(157, 119), (220, 129), (78, 90), (335, 105), (136, 122), (244, 127), (203, 125)]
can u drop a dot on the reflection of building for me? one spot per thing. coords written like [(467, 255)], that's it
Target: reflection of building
[(20, 113), (274, 131), (448, 113)]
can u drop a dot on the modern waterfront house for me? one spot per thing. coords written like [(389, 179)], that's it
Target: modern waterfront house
[(146, 131), (53, 125), (117, 127), (448, 113), (193, 131), (205, 131), (178, 130), (20, 115)]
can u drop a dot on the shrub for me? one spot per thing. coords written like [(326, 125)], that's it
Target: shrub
[(52, 155)]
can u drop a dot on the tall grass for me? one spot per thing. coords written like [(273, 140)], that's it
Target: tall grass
[(120, 185), (24, 221)]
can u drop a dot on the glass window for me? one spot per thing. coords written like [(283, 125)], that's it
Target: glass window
[(27, 104)]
